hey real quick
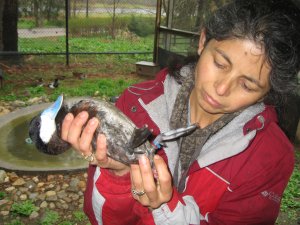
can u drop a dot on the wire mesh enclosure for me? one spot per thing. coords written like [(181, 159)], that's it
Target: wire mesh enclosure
[(180, 25), (60, 27)]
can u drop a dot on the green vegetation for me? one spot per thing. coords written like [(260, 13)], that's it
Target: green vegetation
[(102, 87), (141, 25), (79, 216), (86, 44), (23, 208), (2, 195), (53, 218), (94, 26), (291, 198), (105, 88), (50, 218), (16, 222)]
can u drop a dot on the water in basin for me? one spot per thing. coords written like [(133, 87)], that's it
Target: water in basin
[(17, 153)]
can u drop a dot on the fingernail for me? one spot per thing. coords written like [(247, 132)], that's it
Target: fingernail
[(83, 115), (101, 137), (156, 157), (93, 121), (69, 116), (142, 160)]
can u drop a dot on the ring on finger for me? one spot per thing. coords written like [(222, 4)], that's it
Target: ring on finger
[(137, 193), (90, 158)]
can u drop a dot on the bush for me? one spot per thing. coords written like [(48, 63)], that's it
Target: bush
[(93, 26), (16, 222), (2, 195), (50, 218), (142, 26), (24, 208)]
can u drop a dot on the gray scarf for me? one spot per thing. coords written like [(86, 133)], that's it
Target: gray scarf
[(191, 145)]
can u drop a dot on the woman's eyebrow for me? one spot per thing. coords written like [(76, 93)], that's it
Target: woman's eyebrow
[(223, 54), (247, 77)]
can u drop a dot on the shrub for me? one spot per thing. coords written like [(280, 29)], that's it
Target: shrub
[(2, 195), (79, 216), (15, 222), (50, 218), (142, 26), (23, 208)]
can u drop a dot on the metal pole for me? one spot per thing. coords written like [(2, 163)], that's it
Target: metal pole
[(87, 9), (170, 12), (157, 26), (67, 32)]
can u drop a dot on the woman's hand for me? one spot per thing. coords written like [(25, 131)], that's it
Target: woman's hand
[(153, 192), (81, 141)]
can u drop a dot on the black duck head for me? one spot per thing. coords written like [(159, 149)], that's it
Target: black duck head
[(44, 129)]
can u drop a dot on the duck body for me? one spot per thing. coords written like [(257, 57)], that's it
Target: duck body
[(125, 142)]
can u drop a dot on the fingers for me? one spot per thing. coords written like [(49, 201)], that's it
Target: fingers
[(75, 129), (142, 179), (164, 177), (73, 133), (87, 136), (149, 183), (81, 138), (101, 151), (66, 126), (104, 161)]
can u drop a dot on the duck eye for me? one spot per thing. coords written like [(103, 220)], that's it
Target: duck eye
[(38, 124)]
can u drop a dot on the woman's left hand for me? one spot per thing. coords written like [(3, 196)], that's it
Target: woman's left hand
[(156, 190)]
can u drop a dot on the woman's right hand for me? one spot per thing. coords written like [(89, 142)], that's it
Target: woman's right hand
[(81, 138)]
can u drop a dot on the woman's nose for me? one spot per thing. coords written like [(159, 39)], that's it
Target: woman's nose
[(223, 86)]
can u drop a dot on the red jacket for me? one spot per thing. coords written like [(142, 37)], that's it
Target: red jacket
[(242, 187)]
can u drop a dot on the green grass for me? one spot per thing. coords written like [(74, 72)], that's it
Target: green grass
[(23, 208), (291, 199), (86, 44), (102, 87), (105, 88), (50, 218)]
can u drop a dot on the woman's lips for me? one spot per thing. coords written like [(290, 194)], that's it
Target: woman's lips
[(211, 101)]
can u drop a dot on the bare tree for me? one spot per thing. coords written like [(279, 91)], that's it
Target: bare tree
[(87, 9), (1, 24), (37, 12), (10, 22), (114, 16)]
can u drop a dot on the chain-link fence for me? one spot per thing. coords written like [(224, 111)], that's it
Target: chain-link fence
[(74, 27)]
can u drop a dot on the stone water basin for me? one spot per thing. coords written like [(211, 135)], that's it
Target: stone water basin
[(18, 154)]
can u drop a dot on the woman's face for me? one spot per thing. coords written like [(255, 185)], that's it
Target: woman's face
[(230, 75)]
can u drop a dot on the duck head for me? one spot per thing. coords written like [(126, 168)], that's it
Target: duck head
[(44, 129)]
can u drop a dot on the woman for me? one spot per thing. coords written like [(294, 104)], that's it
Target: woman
[(234, 168)]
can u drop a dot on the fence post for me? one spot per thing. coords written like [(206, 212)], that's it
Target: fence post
[(157, 33), (67, 31)]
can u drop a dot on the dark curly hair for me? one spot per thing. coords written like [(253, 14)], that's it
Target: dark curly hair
[(272, 23)]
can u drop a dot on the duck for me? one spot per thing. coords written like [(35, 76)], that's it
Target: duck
[(54, 84), (125, 141)]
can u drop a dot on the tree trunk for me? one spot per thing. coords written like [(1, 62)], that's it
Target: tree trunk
[(1, 25), (37, 11), (10, 22)]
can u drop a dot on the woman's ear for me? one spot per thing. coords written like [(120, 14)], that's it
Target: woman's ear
[(201, 41)]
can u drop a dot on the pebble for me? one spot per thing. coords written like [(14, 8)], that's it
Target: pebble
[(2, 176), (44, 204), (4, 213), (34, 215), (54, 191), (23, 197), (19, 182), (10, 189), (7, 107)]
